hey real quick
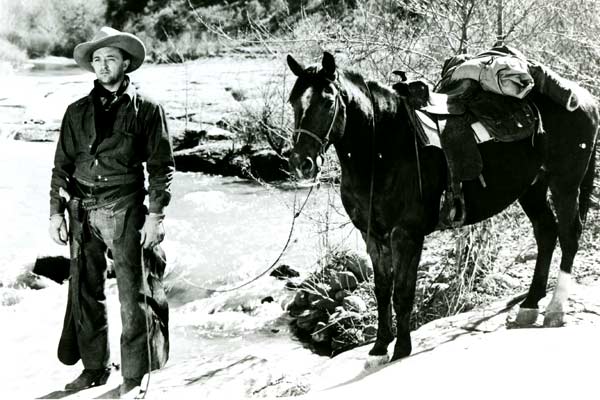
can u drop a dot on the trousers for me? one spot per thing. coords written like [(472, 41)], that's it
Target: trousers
[(144, 338)]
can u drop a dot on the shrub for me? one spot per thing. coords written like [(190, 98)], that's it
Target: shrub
[(51, 27), (169, 23), (11, 54), (78, 21)]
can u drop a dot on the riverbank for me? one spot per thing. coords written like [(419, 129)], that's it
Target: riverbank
[(215, 109)]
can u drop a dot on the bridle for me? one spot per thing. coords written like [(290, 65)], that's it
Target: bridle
[(325, 141)]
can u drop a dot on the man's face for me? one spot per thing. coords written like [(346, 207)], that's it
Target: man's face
[(109, 65)]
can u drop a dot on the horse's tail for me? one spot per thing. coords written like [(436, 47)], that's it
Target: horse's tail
[(590, 181)]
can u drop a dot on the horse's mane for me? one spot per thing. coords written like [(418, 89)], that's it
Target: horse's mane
[(382, 97)]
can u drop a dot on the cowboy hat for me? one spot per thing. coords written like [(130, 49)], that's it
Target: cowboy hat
[(109, 37)]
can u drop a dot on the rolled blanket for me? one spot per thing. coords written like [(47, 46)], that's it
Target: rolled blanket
[(559, 89), (506, 75)]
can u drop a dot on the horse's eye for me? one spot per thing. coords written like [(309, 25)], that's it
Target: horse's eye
[(328, 90)]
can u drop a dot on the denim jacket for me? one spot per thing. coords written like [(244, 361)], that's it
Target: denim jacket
[(139, 135)]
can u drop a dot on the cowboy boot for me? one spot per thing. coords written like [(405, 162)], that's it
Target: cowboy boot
[(89, 378)]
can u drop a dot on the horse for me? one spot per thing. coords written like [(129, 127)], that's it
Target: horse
[(391, 189)]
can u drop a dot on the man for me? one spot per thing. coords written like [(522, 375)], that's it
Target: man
[(98, 176)]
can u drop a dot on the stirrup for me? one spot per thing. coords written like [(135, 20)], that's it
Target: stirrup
[(452, 212)]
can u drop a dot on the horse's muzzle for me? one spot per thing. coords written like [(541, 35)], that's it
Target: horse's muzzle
[(302, 167)]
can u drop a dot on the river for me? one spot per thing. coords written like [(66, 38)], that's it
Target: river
[(220, 233)]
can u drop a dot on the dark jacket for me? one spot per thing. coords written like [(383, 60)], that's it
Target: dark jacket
[(139, 134)]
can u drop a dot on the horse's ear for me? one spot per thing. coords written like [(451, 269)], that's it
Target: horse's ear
[(328, 64), (295, 66)]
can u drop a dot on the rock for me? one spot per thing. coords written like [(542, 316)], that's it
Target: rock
[(284, 271), (294, 283), (347, 280), (268, 165), (294, 311), (527, 255), (335, 284), (317, 292), (190, 134), (33, 281), (337, 344), (268, 299), (354, 303), (325, 304), (224, 158), (341, 294), (370, 332), (36, 133), (359, 264), (189, 139), (301, 299), (55, 268), (309, 319), (321, 333)]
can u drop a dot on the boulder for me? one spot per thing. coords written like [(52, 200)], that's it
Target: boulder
[(359, 263), (308, 319), (354, 303), (370, 332), (284, 271), (36, 132), (268, 299), (325, 304), (321, 333), (53, 267), (301, 299), (340, 295), (335, 284), (317, 292), (347, 280), (268, 165)]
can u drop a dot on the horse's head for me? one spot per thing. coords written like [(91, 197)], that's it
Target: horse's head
[(319, 114)]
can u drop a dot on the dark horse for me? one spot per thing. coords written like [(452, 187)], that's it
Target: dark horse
[(368, 125)]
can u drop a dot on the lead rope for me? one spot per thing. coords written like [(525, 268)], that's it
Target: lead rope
[(295, 215), (372, 184)]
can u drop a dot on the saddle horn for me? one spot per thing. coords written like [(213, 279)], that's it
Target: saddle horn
[(401, 74)]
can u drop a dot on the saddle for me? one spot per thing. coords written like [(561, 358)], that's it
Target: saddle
[(466, 115)]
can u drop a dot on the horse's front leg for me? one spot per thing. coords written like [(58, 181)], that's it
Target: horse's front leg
[(406, 253), (382, 266)]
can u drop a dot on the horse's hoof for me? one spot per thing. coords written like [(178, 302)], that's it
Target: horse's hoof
[(554, 319), (527, 316), (376, 361), (378, 350)]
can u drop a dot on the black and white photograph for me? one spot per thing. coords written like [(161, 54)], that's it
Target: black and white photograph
[(299, 199)]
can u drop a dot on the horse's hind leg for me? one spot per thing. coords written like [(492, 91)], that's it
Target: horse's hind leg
[(535, 204), (569, 232), (382, 266)]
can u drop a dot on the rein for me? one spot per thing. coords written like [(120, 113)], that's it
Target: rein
[(372, 184)]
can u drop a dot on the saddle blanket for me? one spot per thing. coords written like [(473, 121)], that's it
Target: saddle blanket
[(432, 135)]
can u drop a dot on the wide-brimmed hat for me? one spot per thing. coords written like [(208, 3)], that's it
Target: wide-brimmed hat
[(109, 37)]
